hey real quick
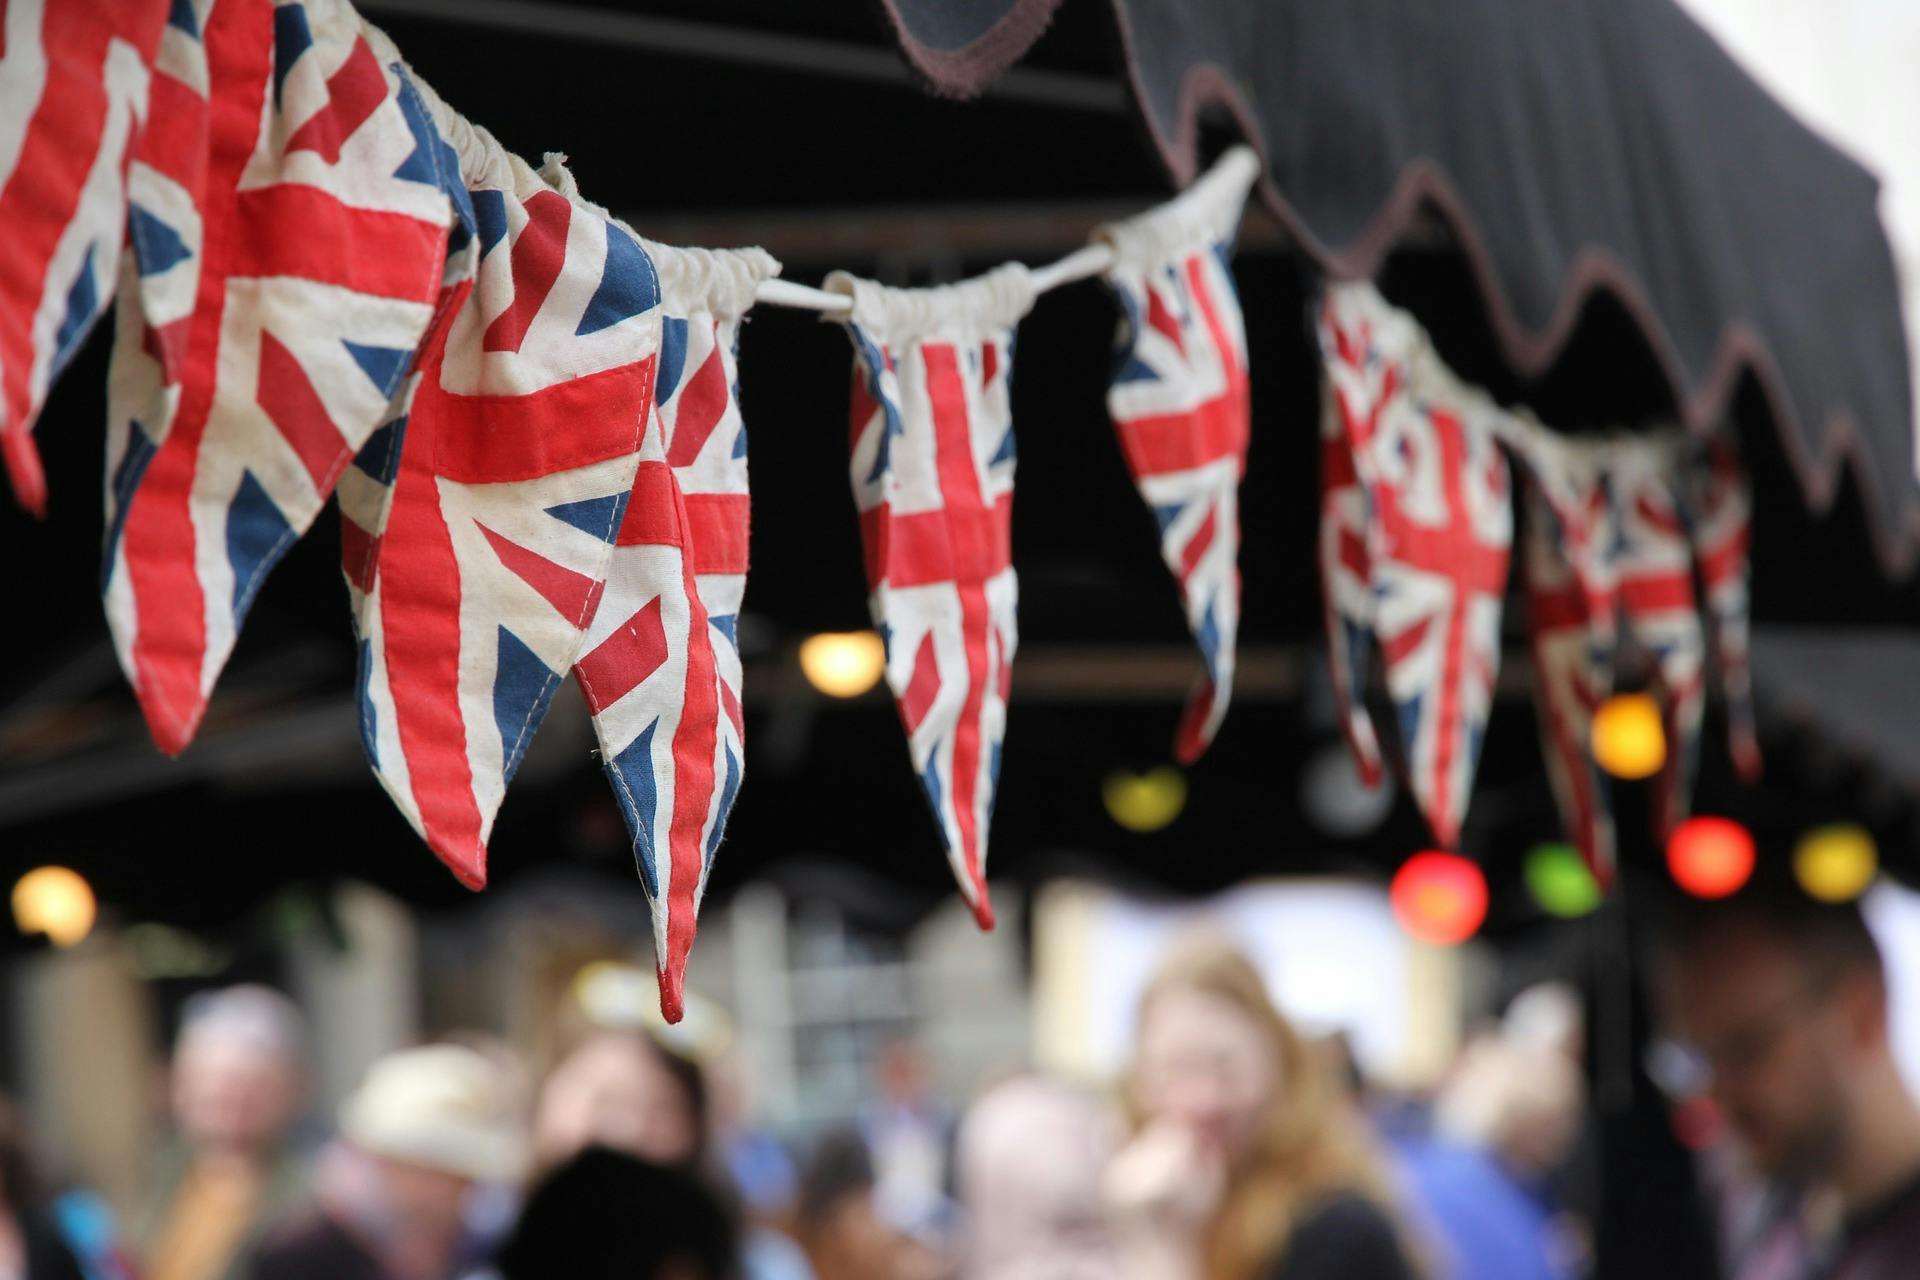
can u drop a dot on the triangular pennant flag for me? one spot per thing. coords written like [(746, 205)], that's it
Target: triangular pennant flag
[(1438, 500), (934, 488), (74, 95), (1572, 602), (660, 668), (475, 569), (1720, 517), (283, 270), (1179, 403)]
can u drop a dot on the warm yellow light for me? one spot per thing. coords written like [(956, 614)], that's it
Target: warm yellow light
[(843, 664), (1835, 863), (1628, 740), (1147, 801), (56, 902)]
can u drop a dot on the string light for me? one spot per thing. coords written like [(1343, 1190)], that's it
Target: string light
[(55, 901), (1710, 857), (1145, 802), (1439, 898), (843, 664), (1628, 738), (1560, 881), (1836, 863)]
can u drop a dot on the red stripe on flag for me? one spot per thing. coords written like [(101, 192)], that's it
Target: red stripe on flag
[(718, 530), (573, 594), (158, 543), (703, 402), (420, 608), (537, 253), (973, 548), (617, 665), (924, 686), (289, 229), (174, 140), (989, 362), (1161, 442), (354, 93), (1668, 592), (1396, 647), (1198, 544), (1161, 319), (695, 741), (294, 407), (358, 548), (491, 439), (955, 543), (652, 517)]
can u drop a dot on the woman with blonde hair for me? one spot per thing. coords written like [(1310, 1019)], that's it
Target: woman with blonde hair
[(1248, 1161)]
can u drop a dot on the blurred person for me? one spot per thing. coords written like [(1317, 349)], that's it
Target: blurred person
[(238, 1082), (1246, 1162), (622, 1089), (841, 1226), (909, 1133), (1031, 1154), (607, 1215), (1781, 1004), (392, 1195), (31, 1244), (1503, 1127)]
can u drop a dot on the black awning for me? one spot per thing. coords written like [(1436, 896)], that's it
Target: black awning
[(1589, 145)]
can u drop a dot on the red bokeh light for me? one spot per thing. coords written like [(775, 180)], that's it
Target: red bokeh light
[(1710, 857), (1439, 898)]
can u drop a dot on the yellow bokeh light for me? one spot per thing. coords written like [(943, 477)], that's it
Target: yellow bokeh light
[(1628, 739), (54, 901), (1145, 802), (843, 664), (1835, 863)]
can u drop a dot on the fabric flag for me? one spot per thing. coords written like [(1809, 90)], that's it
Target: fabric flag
[(932, 469), (289, 223), (481, 530), (1720, 521), (1572, 603), (1608, 562), (74, 77), (1653, 560), (661, 665), (1180, 405), (1439, 537)]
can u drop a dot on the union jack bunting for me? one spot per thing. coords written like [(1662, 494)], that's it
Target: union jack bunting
[(74, 78), (1572, 603), (932, 470), (1439, 536), (1179, 403), (661, 665), (1652, 559), (1719, 508), (479, 533), (289, 223)]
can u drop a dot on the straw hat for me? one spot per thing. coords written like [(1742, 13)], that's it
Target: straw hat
[(442, 1107)]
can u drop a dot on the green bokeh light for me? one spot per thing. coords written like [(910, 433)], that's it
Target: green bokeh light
[(1560, 882)]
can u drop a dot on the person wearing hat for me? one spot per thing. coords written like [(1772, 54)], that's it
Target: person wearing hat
[(390, 1196)]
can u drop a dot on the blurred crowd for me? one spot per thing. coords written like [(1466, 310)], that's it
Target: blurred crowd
[(1234, 1148)]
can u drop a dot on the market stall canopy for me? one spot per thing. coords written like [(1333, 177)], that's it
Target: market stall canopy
[(1593, 146)]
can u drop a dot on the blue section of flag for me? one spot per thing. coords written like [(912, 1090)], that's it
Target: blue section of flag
[(726, 805), (379, 457), (369, 717), (156, 246), (930, 783), (874, 361), (597, 516), (126, 480), (489, 218), (520, 686), (673, 357), (386, 366), (726, 624), (632, 773), (291, 38), (181, 15), (257, 534), (628, 285), (83, 307)]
